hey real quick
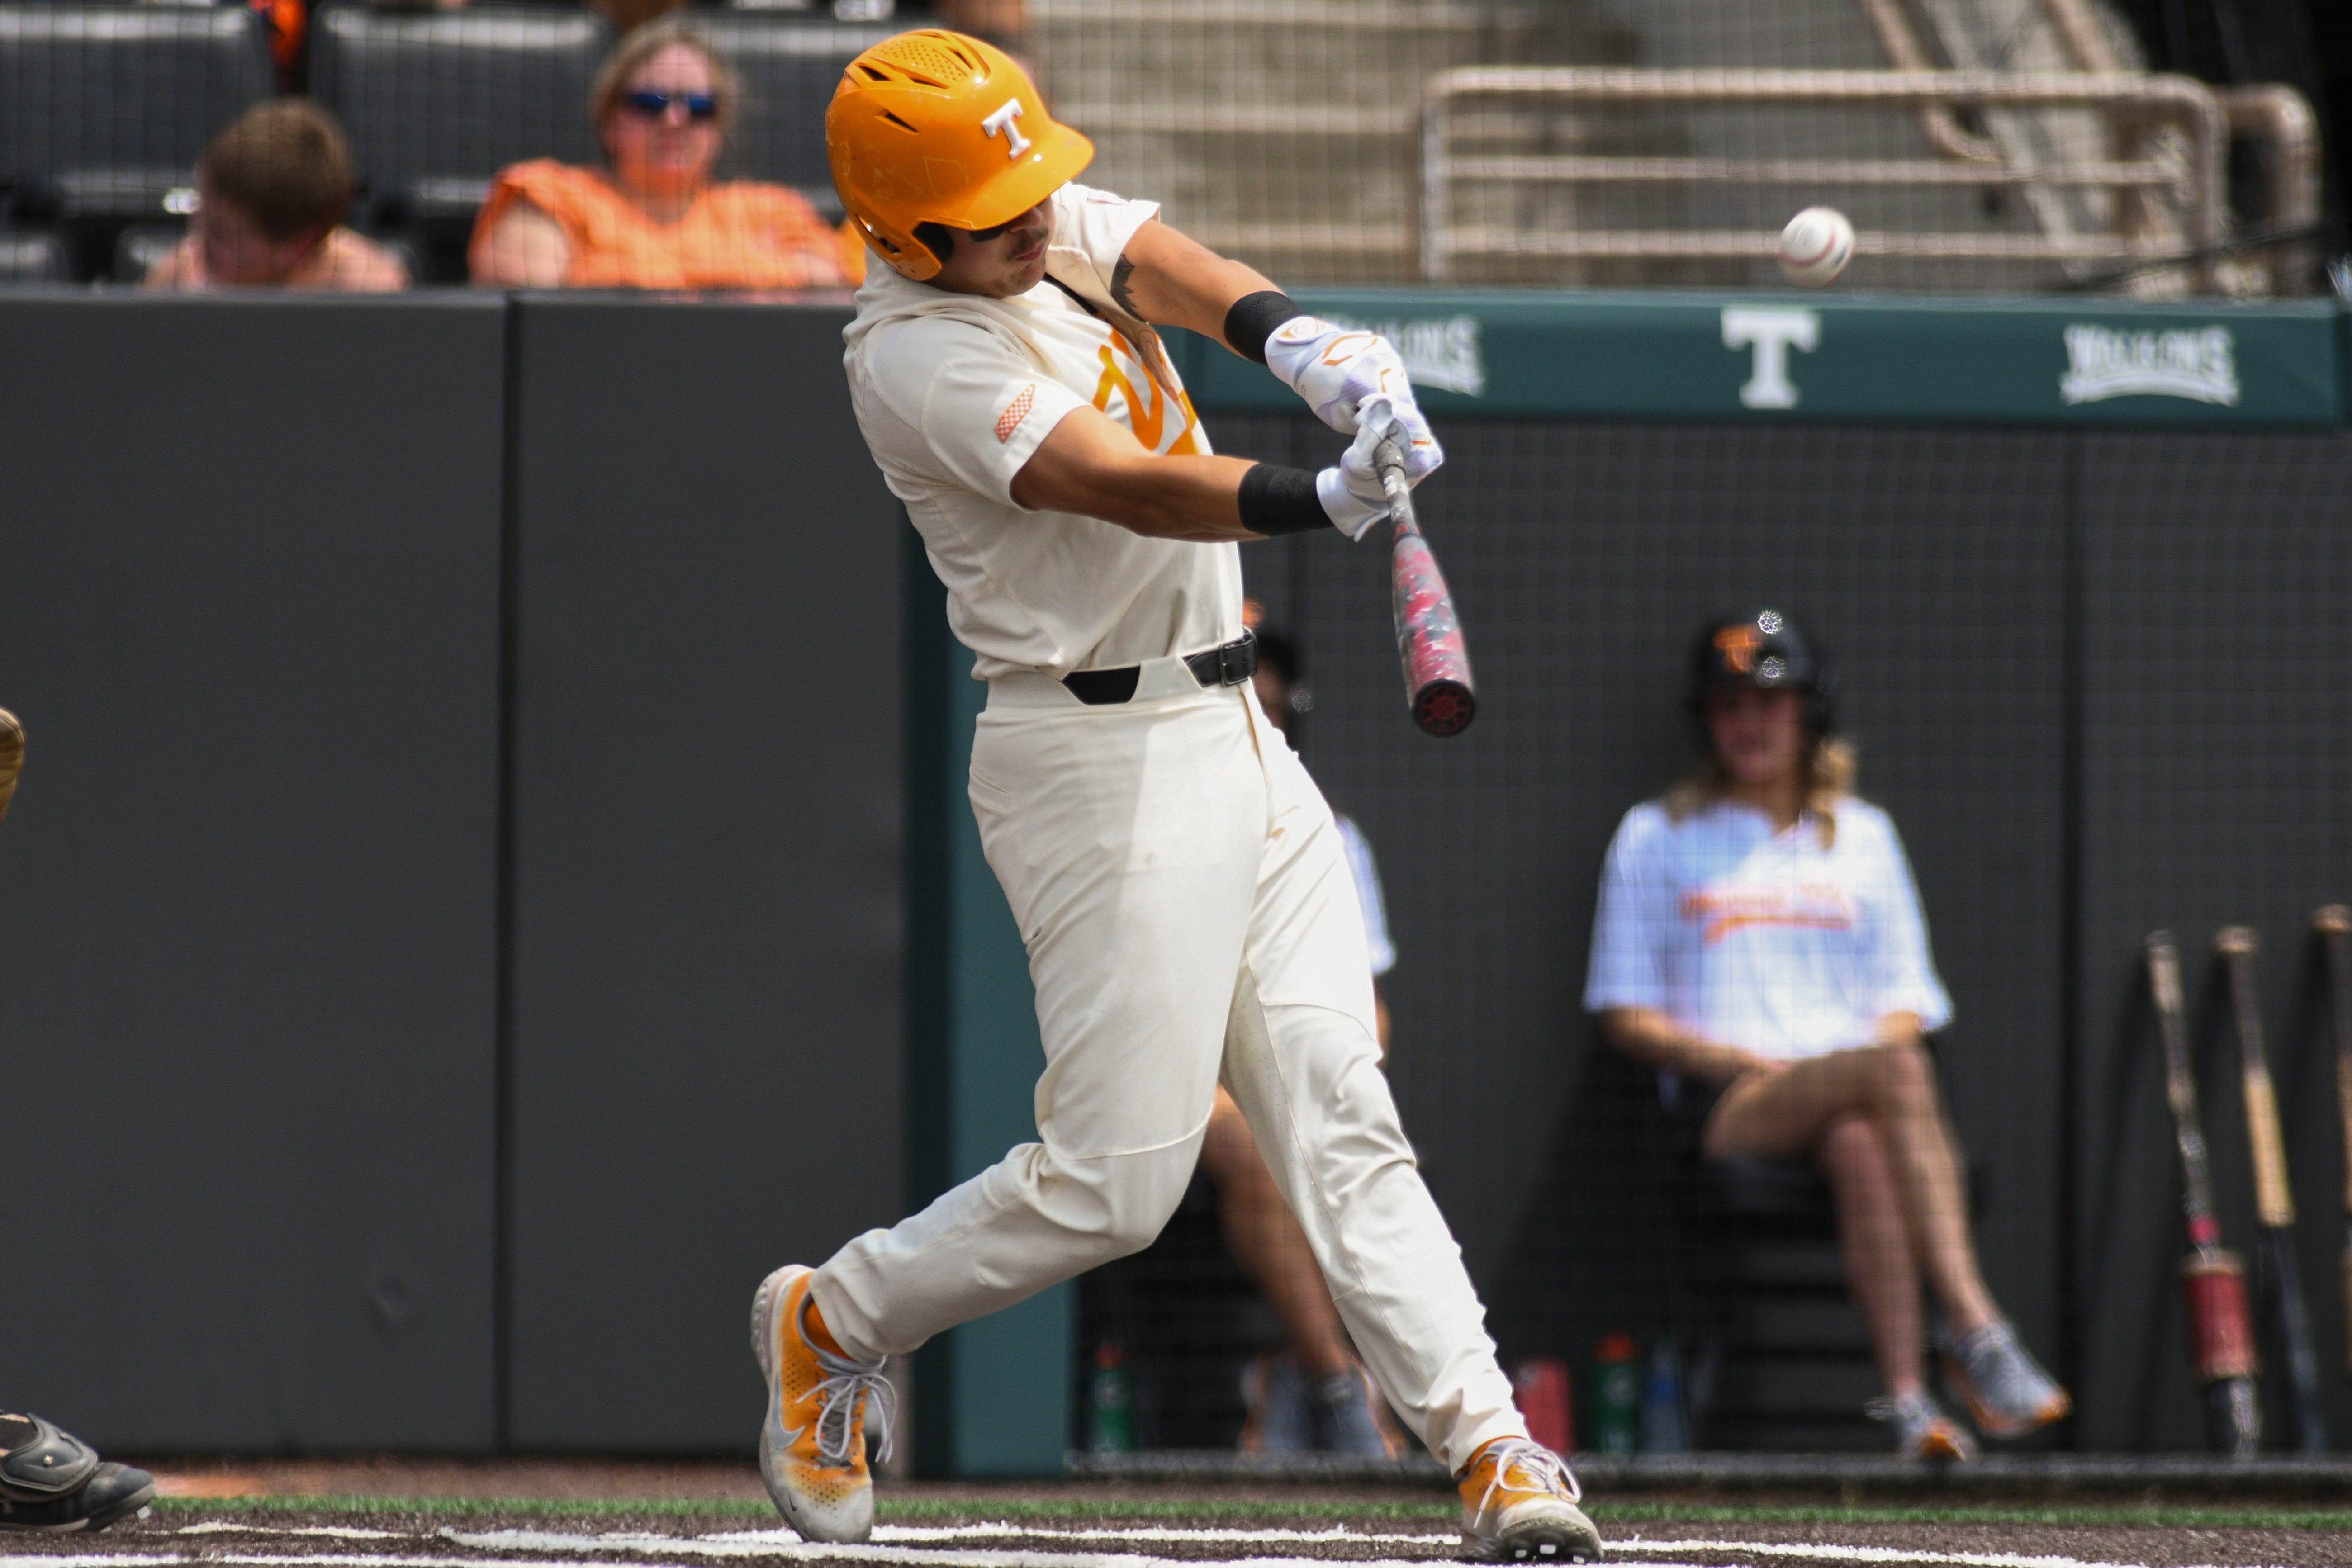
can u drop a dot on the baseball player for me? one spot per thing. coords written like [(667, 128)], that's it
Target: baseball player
[(1759, 940), (1175, 876)]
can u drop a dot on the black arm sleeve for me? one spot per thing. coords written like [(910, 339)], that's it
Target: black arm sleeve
[(1252, 319), (1275, 499)]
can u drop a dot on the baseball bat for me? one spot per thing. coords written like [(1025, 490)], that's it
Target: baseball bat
[(2274, 1196), (2333, 926), (12, 758), (2220, 1327), (1437, 684)]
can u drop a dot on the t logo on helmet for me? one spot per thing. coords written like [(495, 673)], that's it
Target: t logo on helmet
[(1737, 645), (1000, 124)]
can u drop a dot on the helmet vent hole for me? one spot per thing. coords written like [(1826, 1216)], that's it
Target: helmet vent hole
[(900, 123), (871, 74), (932, 61)]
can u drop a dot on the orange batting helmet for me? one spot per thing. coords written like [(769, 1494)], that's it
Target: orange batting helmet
[(934, 127)]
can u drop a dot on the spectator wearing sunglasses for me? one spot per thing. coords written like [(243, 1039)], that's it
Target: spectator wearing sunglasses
[(653, 219)]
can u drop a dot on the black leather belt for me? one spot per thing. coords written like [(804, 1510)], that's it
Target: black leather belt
[(1227, 666)]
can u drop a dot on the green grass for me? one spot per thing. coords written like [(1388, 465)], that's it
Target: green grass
[(913, 1509)]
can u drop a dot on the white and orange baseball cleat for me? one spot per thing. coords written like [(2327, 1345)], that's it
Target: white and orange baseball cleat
[(813, 1445), (1922, 1430), (2007, 1392), (1518, 1505)]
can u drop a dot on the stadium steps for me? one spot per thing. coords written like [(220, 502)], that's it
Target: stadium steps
[(1282, 131)]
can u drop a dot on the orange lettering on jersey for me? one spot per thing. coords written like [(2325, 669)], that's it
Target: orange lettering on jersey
[(1147, 411), (1811, 906)]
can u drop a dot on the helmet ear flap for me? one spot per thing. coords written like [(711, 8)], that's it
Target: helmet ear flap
[(906, 254)]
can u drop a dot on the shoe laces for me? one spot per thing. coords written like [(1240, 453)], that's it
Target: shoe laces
[(1547, 1470), (845, 1387)]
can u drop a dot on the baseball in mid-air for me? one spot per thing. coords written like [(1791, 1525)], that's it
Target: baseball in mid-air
[(1816, 245)]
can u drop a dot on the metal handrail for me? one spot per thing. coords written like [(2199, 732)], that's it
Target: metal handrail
[(2181, 100), (2282, 117)]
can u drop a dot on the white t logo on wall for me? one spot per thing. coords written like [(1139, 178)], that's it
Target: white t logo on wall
[(1770, 332), (1000, 124)]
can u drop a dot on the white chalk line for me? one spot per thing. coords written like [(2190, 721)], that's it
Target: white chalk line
[(229, 1527), (899, 1544)]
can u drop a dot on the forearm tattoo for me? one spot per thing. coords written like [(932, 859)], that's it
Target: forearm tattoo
[(1119, 293)]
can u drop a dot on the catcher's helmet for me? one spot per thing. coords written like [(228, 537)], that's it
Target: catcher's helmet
[(1762, 648), (932, 127)]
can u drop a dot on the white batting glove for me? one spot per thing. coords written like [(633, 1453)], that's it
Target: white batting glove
[(1351, 492), (1338, 370)]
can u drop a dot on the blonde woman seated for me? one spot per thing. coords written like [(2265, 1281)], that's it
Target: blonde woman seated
[(653, 219), (1759, 942)]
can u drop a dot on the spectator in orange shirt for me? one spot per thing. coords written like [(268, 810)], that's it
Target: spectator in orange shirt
[(654, 220), (271, 191)]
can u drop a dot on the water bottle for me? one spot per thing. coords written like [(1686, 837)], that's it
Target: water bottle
[(1665, 1430), (1110, 1403), (1616, 1395), (1540, 1383)]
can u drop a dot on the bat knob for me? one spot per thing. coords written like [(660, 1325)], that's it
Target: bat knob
[(2334, 920), (1444, 708), (2232, 941)]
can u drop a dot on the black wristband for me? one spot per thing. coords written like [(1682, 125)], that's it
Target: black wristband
[(1252, 319), (1275, 499)]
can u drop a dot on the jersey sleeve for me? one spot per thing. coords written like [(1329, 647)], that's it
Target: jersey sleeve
[(1635, 918), (1901, 968), (1098, 226), (1366, 873), (985, 408)]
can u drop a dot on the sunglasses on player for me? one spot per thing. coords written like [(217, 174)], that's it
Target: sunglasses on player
[(699, 106)]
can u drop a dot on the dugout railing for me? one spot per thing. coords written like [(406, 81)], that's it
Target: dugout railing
[(1488, 182)]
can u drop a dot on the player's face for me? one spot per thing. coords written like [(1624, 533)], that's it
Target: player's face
[(662, 135), (1010, 263), (1759, 736)]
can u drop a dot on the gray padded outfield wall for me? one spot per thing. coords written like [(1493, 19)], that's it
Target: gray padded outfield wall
[(706, 819), (453, 920), (249, 888)]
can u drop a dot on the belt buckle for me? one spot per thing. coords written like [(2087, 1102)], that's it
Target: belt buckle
[(1236, 660)]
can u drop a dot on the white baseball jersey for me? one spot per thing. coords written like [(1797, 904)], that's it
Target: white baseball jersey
[(954, 393), (1760, 939)]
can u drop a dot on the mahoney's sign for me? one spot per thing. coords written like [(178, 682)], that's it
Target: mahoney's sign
[(1783, 357)]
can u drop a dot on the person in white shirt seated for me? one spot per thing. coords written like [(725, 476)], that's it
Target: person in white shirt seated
[(1759, 942)]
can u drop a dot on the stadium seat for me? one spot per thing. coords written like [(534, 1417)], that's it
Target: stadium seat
[(140, 247), (31, 256), (788, 65), (103, 108), (436, 103)]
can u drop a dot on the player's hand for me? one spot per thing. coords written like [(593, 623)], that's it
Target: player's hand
[(1338, 369), (1383, 417), (1350, 490)]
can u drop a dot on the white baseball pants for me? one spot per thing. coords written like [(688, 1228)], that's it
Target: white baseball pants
[(1190, 918)]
